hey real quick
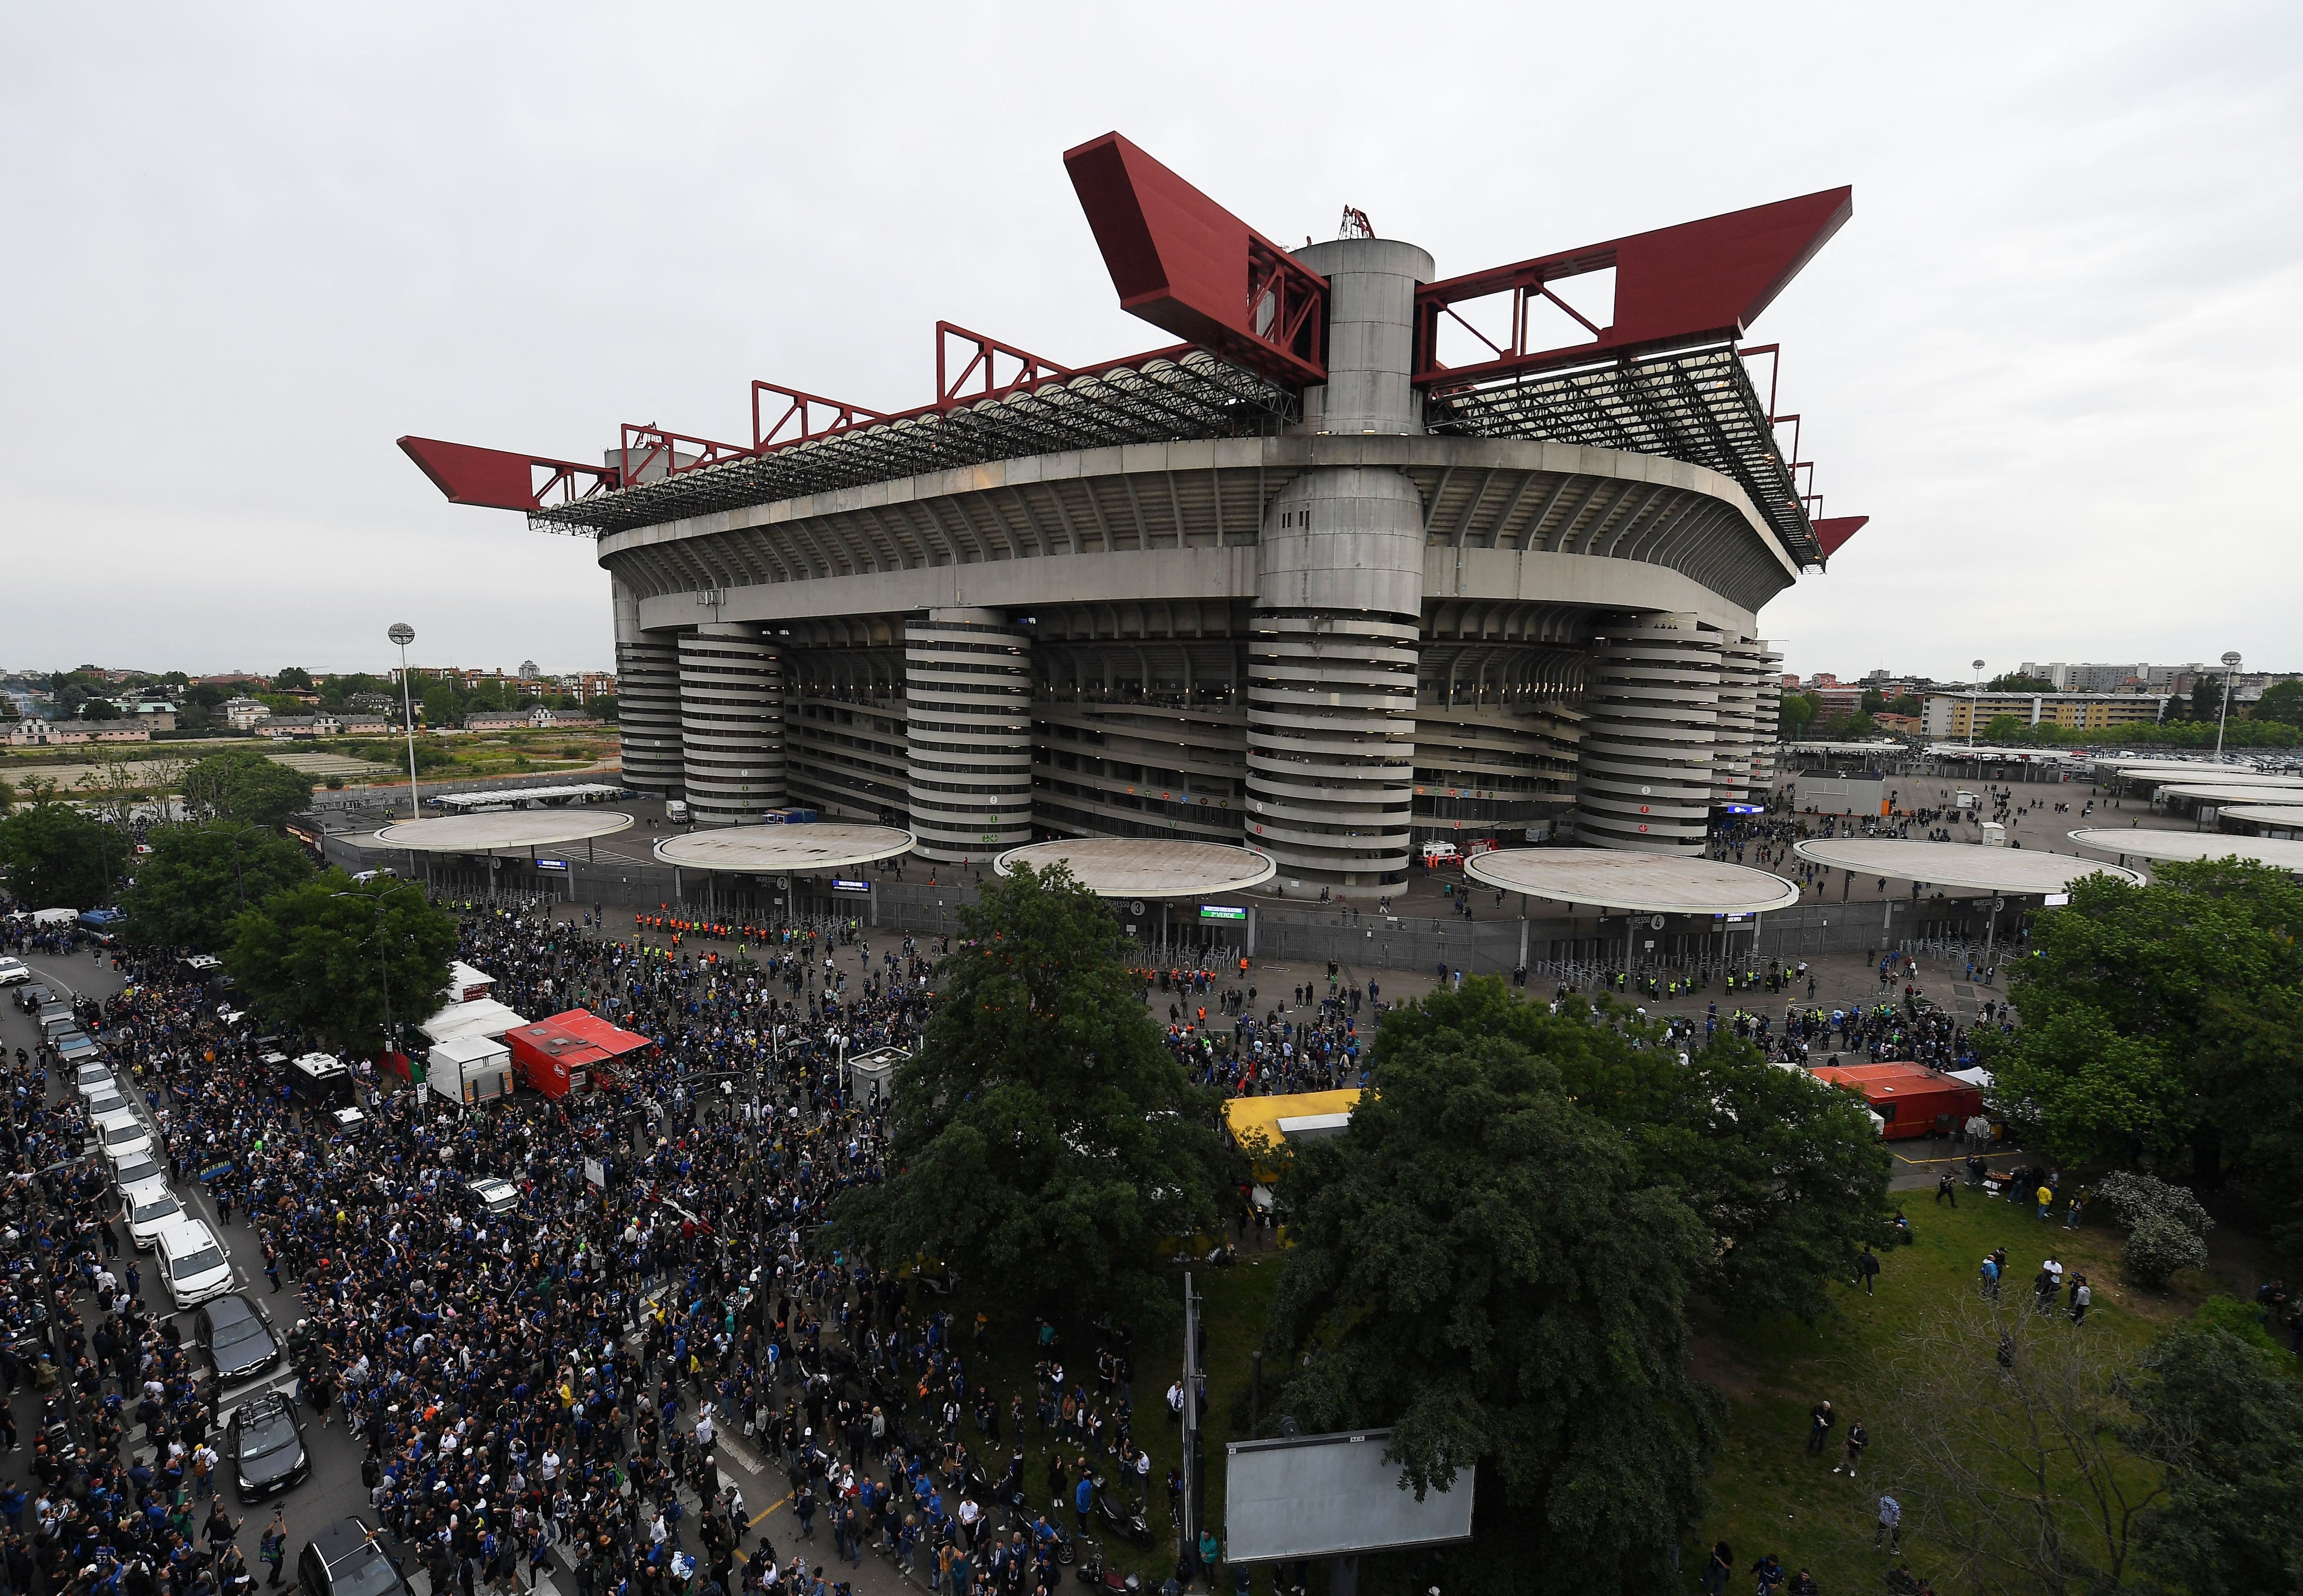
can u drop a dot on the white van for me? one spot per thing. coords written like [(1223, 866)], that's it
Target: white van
[(121, 1137), (151, 1208), (193, 1263)]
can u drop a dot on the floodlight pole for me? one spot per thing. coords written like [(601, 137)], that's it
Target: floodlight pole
[(2230, 664), (404, 634)]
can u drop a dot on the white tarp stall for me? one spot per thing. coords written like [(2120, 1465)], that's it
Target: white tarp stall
[(1331, 1496), (466, 985), (483, 1017), (468, 1069)]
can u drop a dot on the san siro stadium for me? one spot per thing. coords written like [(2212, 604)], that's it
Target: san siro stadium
[(1291, 580)]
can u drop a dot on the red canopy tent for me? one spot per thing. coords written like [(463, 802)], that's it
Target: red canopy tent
[(569, 1051)]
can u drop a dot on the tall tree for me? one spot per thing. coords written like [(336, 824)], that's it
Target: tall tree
[(197, 878), (332, 955), (1480, 1263), (2005, 1426), (59, 857), (1786, 1173), (2161, 1020), (1043, 1136), (246, 788), (2226, 1424)]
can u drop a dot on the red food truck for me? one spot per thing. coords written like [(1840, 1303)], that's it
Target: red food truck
[(569, 1051), (1911, 1098)]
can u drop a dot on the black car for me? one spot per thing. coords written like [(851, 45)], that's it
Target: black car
[(234, 1338), (264, 1443), (34, 997), (345, 1560)]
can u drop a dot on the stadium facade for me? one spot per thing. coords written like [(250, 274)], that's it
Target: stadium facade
[(1290, 580)]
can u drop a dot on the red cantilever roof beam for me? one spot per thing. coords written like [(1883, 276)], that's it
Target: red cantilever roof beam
[(501, 479), (1182, 262), (1675, 286)]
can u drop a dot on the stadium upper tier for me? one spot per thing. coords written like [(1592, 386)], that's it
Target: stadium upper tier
[(1366, 555)]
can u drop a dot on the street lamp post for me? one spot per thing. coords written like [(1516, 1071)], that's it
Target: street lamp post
[(1974, 707), (404, 634), (2230, 664)]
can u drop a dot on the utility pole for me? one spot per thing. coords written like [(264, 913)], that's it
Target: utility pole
[(2230, 663), (1190, 1517)]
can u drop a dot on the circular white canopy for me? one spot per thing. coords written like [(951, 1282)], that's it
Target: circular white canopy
[(511, 828), (784, 849), (2220, 792), (2289, 815), (1965, 864), (1146, 868), (2191, 845), (1644, 882)]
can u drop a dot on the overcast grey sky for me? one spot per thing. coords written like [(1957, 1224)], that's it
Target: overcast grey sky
[(2053, 357)]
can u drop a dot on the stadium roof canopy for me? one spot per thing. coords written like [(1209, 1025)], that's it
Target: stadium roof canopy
[(1667, 376)]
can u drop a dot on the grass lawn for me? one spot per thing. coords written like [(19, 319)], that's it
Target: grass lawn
[(1770, 1495)]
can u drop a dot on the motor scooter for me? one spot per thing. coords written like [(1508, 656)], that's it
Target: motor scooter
[(1121, 1518)]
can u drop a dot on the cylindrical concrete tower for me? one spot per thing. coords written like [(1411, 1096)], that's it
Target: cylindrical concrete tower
[(967, 699), (647, 701), (1339, 599), (1735, 742), (1766, 717), (1652, 707), (731, 722)]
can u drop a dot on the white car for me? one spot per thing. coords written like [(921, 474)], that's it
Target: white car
[(192, 1263), (123, 1137), (14, 971), (151, 1208), (96, 1080), (108, 1102)]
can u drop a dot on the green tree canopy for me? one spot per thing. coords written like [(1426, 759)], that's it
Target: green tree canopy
[(246, 788), (59, 857), (1798, 709), (1786, 1174), (315, 957), (1481, 1262), (292, 679), (2003, 729), (1044, 1136), (2015, 681), (2168, 1019), (2226, 1424), (197, 877), (2281, 701)]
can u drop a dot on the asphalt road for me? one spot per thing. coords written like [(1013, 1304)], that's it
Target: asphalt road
[(334, 1491)]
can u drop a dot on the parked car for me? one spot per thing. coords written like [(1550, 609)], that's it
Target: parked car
[(95, 1080), (234, 1337), (108, 1101), (345, 1560), (193, 1265), (143, 1170), (123, 1138), (489, 1197), (74, 1048), (150, 1207), (14, 971), (263, 1442), (34, 997)]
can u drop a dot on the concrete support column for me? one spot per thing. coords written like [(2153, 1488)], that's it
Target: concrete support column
[(732, 720), (967, 699), (1644, 777), (1339, 601), (647, 701)]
